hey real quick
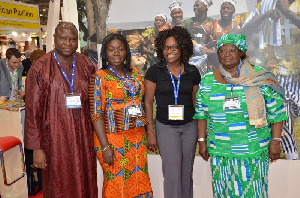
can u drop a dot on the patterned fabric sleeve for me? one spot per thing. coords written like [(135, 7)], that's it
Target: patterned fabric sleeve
[(275, 107), (199, 112), (97, 97)]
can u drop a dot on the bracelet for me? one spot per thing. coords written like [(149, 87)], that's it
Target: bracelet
[(277, 139), (201, 139), (105, 148)]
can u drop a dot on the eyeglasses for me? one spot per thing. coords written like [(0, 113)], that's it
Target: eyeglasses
[(173, 47), (230, 51)]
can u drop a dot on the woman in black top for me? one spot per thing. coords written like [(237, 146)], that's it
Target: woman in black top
[(173, 83)]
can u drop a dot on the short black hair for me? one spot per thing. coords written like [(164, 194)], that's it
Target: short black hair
[(109, 38), (183, 39), (66, 25), (13, 52)]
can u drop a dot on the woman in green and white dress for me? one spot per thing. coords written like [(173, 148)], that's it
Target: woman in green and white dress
[(240, 110)]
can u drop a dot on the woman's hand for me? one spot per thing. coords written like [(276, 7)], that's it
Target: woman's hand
[(108, 156), (151, 142), (203, 150), (274, 150)]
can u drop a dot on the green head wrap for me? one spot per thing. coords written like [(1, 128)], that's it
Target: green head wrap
[(238, 40)]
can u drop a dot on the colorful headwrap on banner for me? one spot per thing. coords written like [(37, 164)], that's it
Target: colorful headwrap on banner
[(161, 15), (207, 2), (233, 2), (238, 40), (175, 4)]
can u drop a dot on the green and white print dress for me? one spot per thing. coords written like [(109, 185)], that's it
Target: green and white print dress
[(239, 151)]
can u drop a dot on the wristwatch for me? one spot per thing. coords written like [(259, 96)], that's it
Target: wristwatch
[(201, 139)]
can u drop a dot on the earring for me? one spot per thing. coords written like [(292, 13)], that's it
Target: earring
[(125, 62)]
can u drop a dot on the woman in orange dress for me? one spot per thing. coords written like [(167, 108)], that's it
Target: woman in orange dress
[(116, 95)]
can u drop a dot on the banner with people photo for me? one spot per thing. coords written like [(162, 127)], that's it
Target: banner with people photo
[(271, 27)]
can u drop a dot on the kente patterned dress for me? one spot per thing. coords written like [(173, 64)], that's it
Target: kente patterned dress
[(238, 151), (128, 177)]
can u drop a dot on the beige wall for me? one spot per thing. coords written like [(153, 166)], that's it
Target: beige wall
[(284, 178)]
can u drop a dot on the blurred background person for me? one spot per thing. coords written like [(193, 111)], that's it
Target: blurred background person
[(11, 76), (36, 54), (197, 28), (174, 83), (26, 62), (176, 13), (138, 58), (150, 34), (240, 111), (275, 47), (34, 182), (217, 28), (196, 24), (290, 82), (116, 96)]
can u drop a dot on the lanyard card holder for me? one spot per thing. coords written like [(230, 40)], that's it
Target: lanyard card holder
[(176, 112), (134, 109), (232, 102), (73, 100)]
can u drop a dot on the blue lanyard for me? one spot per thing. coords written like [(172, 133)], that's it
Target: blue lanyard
[(237, 73), (130, 85), (176, 90), (64, 73)]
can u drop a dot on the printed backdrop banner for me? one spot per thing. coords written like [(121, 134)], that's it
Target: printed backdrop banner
[(273, 43)]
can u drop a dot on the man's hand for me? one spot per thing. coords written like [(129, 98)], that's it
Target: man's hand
[(3, 98), (21, 93), (39, 159)]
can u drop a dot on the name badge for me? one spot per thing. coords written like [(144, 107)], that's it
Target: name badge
[(134, 110), (232, 103), (176, 112), (73, 100)]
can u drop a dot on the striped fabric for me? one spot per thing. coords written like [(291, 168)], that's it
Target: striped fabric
[(240, 177), (200, 62), (230, 134), (291, 85), (271, 30)]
